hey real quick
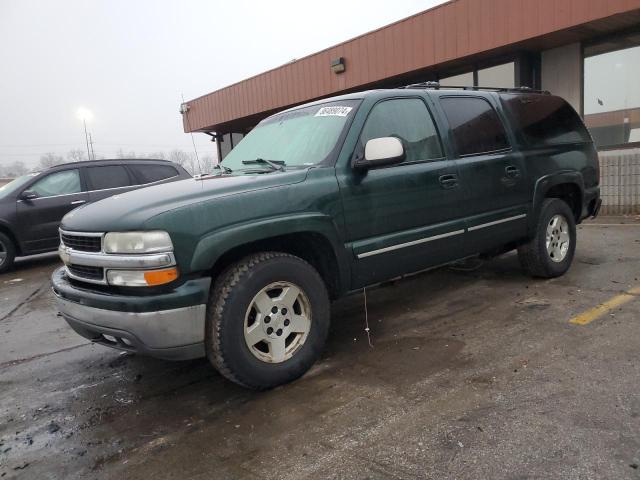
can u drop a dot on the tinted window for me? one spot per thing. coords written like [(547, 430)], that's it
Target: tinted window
[(59, 183), (545, 120), (112, 176), (153, 173), (409, 120), (475, 125)]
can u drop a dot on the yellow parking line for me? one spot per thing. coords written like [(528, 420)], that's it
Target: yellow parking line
[(605, 307)]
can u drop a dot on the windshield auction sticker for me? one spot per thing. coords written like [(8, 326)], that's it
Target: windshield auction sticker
[(333, 111)]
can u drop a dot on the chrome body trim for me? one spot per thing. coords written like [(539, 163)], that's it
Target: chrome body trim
[(410, 244), (497, 222), (438, 237), (112, 260)]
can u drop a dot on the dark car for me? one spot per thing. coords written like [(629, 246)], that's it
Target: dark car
[(32, 206), (318, 201)]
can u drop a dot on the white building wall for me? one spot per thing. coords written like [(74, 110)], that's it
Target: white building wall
[(620, 181), (561, 73)]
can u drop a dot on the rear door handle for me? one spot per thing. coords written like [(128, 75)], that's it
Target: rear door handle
[(449, 181), (512, 172), (78, 202)]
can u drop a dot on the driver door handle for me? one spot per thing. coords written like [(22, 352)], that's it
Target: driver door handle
[(78, 202), (448, 181), (512, 172)]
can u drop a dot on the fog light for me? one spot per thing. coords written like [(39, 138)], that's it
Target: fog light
[(141, 278)]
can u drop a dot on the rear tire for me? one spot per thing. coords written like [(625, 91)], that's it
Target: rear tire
[(267, 320), (7, 253), (550, 252)]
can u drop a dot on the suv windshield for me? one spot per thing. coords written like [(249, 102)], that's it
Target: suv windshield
[(301, 137), (15, 184)]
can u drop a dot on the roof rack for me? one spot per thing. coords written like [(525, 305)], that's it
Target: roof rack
[(437, 86)]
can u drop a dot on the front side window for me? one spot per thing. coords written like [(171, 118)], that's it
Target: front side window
[(475, 125), (301, 137), (111, 176), (612, 94), (409, 120), (59, 183)]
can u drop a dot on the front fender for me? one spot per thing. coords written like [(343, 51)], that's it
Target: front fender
[(211, 247)]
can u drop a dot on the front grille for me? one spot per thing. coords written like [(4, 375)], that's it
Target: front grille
[(81, 243), (83, 271)]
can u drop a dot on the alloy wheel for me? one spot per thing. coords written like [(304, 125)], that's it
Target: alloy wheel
[(558, 238), (277, 322)]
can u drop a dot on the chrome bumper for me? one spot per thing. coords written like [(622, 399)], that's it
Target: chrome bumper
[(176, 334)]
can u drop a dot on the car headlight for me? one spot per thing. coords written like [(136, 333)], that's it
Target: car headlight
[(137, 242)]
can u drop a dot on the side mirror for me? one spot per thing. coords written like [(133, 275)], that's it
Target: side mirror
[(380, 152), (28, 195)]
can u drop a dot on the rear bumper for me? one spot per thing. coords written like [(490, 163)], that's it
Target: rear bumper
[(592, 203), (171, 333)]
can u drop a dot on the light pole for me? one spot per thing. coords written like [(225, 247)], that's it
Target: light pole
[(85, 114)]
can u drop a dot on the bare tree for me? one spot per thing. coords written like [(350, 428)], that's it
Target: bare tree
[(16, 169), (76, 155), (186, 160), (122, 154), (157, 155), (49, 160), (208, 163)]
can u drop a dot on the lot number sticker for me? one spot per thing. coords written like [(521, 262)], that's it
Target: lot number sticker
[(333, 112)]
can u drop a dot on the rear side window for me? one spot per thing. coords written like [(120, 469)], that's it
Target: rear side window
[(111, 176), (475, 125), (545, 120), (409, 120), (153, 173)]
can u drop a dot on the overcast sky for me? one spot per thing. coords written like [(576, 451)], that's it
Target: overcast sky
[(128, 62)]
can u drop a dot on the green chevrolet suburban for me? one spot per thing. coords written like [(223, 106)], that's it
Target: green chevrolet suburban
[(318, 201)]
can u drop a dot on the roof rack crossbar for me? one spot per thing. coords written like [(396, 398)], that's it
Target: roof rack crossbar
[(437, 86)]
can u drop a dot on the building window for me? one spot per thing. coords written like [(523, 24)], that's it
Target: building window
[(612, 94), (225, 145), (462, 80), (499, 76), (502, 76)]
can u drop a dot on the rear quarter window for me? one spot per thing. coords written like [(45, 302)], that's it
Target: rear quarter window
[(543, 120)]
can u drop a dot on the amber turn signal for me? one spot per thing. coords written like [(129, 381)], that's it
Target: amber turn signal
[(160, 277)]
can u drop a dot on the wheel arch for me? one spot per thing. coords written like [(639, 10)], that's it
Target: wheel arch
[(314, 239), (4, 228), (567, 186)]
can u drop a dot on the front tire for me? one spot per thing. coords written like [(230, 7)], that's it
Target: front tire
[(267, 320), (550, 252), (7, 253)]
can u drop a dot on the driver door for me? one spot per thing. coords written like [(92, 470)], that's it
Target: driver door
[(39, 218), (405, 217)]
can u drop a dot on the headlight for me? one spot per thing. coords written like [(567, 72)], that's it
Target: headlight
[(137, 242), (141, 278)]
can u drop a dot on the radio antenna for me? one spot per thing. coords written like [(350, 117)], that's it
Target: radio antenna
[(193, 141)]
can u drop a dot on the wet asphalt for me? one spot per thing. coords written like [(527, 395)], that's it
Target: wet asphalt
[(472, 374)]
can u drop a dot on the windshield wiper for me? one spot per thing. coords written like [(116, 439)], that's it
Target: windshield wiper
[(223, 168), (274, 164)]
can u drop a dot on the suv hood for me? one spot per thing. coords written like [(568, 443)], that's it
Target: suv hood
[(131, 210)]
